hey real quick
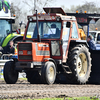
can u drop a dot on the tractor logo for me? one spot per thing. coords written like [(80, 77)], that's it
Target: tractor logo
[(5, 5)]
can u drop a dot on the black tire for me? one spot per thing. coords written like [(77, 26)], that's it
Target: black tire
[(10, 74), (79, 61), (48, 73), (33, 77)]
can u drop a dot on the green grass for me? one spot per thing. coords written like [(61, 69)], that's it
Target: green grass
[(19, 78), (1, 73), (23, 78), (67, 98), (50, 99)]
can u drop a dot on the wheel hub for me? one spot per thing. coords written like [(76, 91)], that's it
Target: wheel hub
[(82, 65), (51, 73)]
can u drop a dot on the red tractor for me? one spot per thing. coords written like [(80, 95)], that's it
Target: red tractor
[(54, 44)]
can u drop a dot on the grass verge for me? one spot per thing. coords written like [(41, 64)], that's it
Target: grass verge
[(71, 98), (66, 98)]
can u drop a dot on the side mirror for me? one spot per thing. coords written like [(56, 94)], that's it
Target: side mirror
[(68, 24), (8, 32), (22, 24), (11, 21)]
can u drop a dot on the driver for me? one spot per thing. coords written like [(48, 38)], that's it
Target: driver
[(54, 30), (53, 26)]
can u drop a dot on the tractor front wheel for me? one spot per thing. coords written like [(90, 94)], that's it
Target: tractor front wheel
[(48, 73), (10, 74)]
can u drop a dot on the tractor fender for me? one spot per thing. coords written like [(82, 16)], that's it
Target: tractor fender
[(52, 60), (73, 42), (9, 38), (17, 38)]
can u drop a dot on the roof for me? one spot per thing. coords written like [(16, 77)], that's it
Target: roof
[(51, 17), (95, 31), (85, 18), (7, 17), (54, 10)]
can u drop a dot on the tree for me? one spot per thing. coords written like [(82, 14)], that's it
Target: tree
[(14, 9), (22, 8), (90, 7), (38, 4)]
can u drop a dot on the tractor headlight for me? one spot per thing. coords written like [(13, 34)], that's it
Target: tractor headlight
[(29, 52), (20, 53)]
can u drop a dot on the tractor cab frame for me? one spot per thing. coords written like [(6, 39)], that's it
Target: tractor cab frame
[(65, 29)]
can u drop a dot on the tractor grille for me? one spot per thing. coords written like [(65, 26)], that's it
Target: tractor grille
[(25, 46), (25, 57)]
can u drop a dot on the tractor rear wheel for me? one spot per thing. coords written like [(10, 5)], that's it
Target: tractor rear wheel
[(10, 74), (48, 73), (80, 63)]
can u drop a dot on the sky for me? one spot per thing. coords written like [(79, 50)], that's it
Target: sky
[(68, 3)]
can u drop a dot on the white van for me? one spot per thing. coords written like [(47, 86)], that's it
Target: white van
[(96, 38)]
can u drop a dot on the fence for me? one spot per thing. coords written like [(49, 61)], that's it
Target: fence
[(3, 60)]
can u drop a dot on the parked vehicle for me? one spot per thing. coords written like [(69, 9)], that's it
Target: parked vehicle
[(96, 38)]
